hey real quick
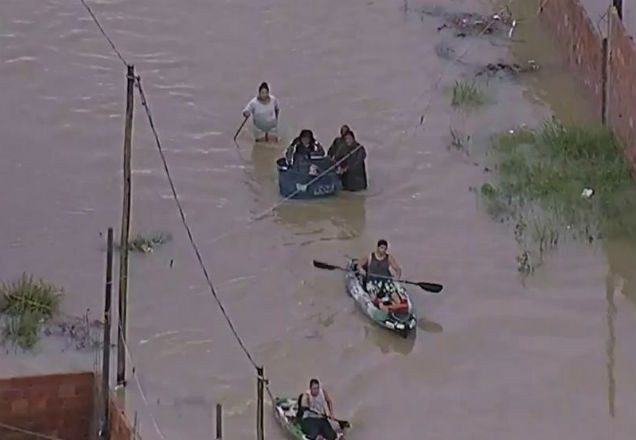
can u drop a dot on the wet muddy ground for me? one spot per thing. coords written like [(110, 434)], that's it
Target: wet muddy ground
[(492, 359)]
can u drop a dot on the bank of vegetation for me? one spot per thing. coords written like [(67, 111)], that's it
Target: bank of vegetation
[(560, 182)]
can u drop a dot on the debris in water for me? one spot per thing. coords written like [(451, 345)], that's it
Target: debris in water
[(587, 193), (472, 24), (512, 28), (147, 244), (492, 69)]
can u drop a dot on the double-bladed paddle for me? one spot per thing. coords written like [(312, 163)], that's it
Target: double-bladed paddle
[(429, 287), (344, 424)]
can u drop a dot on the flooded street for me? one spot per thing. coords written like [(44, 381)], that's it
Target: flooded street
[(492, 359)]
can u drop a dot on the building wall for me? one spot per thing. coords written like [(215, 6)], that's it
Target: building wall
[(582, 44), (59, 405), (622, 102)]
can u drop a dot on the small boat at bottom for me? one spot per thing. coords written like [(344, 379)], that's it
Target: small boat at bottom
[(401, 318), (285, 409), (300, 184)]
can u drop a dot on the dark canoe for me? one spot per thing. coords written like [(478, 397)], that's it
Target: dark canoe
[(295, 183)]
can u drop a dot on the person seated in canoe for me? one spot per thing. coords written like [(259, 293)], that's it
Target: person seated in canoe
[(314, 408), (379, 268), (351, 155), (264, 110), (302, 150)]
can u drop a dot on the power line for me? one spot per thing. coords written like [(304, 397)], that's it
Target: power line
[(142, 393), (110, 41), (195, 247)]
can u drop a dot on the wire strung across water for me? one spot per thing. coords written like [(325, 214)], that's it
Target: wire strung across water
[(195, 247)]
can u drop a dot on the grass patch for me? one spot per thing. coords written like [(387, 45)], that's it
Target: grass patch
[(561, 182), (459, 140), (147, 244), (27, 304), (467, 94)]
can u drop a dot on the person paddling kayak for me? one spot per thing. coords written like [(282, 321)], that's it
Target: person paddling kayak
[(314, 407), (264, 110), (384, 266)]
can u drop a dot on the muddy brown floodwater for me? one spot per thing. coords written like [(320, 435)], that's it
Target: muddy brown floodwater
[(492, 359)]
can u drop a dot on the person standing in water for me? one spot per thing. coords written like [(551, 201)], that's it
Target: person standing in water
[(352, 169), (338, 142), (264, 110)]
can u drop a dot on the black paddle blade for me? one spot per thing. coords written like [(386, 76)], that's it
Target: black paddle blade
[(344, 424), (321, 265), (430, 287)]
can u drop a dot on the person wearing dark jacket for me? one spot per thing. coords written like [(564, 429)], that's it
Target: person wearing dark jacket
[(338, 143), (352, 169), (303, 149)]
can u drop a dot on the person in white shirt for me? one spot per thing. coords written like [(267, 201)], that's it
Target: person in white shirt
[(264, 110)]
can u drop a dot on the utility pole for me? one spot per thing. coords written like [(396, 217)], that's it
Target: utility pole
[(125, 230)]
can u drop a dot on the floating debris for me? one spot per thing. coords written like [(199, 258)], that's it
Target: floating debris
[(587, 193), (81, 333), (148, 244), (492, 69), (472, 24)]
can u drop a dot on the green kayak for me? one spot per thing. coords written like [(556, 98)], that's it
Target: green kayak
[(285, 409)]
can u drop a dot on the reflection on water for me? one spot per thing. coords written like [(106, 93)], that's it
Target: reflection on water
[(611, 344), (341, 217), (389, 342), (621, 256), (429, 326), (262, 178)]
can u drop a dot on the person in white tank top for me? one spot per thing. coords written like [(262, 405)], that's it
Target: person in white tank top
[(264, 110), (316, 406)]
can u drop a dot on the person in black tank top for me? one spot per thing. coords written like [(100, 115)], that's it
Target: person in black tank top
[(376, 268)]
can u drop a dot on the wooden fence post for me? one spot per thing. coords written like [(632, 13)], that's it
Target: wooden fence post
[(105, 431), (219, 421), (125, 230), (260, 386)]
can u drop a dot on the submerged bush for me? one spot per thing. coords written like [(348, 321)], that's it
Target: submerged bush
[(27, 304), (564, 180), (467, 94)]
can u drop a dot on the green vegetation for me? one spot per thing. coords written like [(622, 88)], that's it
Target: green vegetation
[(25, 306), (459, 140), (147, 244), (560, 182), (467, 94)]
